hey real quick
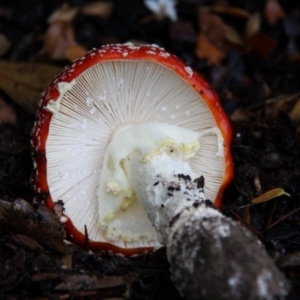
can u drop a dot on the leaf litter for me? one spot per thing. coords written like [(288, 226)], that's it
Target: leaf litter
[(25, 81), (252, 62)]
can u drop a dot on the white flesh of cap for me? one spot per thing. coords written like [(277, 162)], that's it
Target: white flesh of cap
[(103, 101)]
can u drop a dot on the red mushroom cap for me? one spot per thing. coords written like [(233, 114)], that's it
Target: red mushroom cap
[(116, 53)]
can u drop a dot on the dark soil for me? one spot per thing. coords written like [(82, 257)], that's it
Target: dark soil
[(259, 86)]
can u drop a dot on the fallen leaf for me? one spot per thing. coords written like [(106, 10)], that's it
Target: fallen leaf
[(273, 11), (261, 44), (206, 50), (41, 225), (232, 36), (67, 261), (24, 82), (58, 37), (288, 104), (4, 44), (7, 114), (253, 25), (64, 14), (239, 115), (100, 9), (74, 52), (294, 114), (219, 33), (269, 195), (229, 10), (27, 242)]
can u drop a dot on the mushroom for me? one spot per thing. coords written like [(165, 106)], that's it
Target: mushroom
[(81, 137), (125, 137)]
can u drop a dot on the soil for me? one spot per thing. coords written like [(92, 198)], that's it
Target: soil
[(256, 74)]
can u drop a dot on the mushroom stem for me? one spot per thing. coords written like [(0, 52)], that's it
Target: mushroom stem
[(210, 255), (165, 187)]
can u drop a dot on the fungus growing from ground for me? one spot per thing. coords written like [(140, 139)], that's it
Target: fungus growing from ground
[(126, 137)]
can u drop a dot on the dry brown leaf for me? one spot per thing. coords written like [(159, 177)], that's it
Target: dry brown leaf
[(58, 37), (253, 25), (232, 36), (27, 242), (273, 11), (64, 14), (205, 49), (294, 114), (229, 10), (261, 44), (7, 114), (4, 44), (74, 52), (240, 115), (219, 33), (283, 103), (39, 224), (67, 261), (24, 82), (271, 194), (100, 9)]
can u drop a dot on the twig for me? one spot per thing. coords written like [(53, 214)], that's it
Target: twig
[(283, 217)]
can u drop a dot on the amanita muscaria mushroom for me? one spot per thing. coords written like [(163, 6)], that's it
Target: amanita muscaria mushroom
[(125, 137), (105, 106)]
